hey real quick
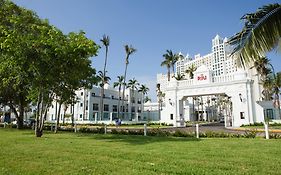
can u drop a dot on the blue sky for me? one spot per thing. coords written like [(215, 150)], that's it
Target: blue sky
[(151, 26)]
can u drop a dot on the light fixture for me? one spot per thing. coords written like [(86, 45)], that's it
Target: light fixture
[(240, 96), (170, 101)]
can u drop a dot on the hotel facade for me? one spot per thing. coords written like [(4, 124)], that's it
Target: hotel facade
[(87, 107), (219, 91)]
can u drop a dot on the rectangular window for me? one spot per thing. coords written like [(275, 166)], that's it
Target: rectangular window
[(81, 93), (242, 115), (93, 94), (133, 109), (106, 107), (95, 107), (171, 116), (114, 108), (81, 104), (268, 113), (81, 115)]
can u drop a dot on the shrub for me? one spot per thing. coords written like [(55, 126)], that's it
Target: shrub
[(250, 133), (275, 136), (179, 133)]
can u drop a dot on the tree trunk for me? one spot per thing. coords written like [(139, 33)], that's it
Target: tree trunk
[(118, 110), (72, 116), (123, 97), (169, 74), (101, 101), (64, 111), (37, 116), (58, 119)]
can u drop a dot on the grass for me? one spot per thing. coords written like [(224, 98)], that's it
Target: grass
[(69, 153)]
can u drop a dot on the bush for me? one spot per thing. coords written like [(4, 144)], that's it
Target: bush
[(179, 133), (275, 136), (250, 133)]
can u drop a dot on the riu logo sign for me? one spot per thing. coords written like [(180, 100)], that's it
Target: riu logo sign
[(202, 77)]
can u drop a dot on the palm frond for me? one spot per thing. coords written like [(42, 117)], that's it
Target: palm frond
[(261, 34)]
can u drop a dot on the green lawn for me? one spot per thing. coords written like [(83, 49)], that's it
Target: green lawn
[(69, 153)]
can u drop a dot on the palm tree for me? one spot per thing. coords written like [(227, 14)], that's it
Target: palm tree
[(119, 84), (167, 63), (191, 69), (261, 65), (260, 34), (133, 85), (103, 80), (129, 51), (170, 61), (146, 99), (144, 90), (179, 77), (276, 90)]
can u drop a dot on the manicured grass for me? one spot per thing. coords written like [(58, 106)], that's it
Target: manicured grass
[(70, 153)]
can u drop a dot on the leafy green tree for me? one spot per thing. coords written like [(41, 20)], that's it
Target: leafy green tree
[(260, 34), (129, 51), (39, 62), (16, 31), (119, 84)]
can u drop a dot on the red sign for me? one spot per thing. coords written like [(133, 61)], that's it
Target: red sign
[(202, 77)]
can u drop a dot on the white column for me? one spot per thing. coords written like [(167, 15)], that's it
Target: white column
[(266, 130), (110, 117), (249, 101)]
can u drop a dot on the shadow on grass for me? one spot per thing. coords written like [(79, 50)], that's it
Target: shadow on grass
[(138, 139)]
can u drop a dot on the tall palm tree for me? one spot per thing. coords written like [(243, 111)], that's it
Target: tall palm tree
[(129, 51), (276, 90), (170, 61), (143, 90), (119, 84), (191, 69), (261, 65), (167, 63), (133, 85), (104, 79), (260, 34)]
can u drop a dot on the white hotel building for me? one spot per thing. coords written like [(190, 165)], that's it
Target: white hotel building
[(219, 91), (87, 108)]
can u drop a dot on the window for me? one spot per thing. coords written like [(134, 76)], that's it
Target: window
[(242, 115), (95, 107), (268, 114), (81, 115), (81, 104), (171, 116), (114, 108), (81, 93), (93, 94), (106, 107), (133, 109)]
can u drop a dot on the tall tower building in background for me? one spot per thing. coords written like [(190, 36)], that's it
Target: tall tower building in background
[(218, 60)]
